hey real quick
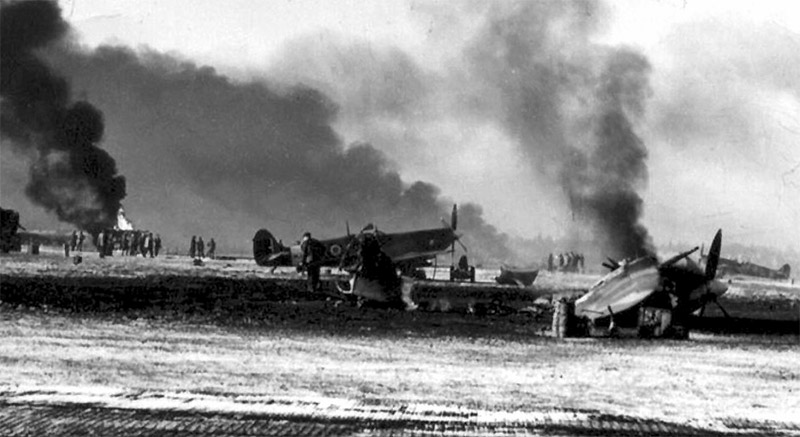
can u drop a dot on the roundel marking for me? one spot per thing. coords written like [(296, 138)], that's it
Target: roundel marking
[(335, 250)]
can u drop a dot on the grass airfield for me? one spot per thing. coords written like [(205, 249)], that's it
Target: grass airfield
[(261, 337)]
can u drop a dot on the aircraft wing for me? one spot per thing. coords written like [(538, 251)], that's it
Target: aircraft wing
[(619, 290)]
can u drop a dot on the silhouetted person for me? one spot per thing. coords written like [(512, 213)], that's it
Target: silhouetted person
[(143, 245), (212, 248), (134, 249), (157, 244), (101, 248), (193, 247), (150, 245), (313, 252), (81, 237), (550, 265), (73, 242), (201, 247)]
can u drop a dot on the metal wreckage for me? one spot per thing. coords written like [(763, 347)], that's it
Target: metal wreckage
[(642, 295), (645, 297)]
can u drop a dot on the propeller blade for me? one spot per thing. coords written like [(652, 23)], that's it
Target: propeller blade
[(727, 316), (713, 256), (462, 245), (613, 263), (454, 218), (702, 310)]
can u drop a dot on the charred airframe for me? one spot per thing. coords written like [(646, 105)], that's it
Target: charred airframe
[(672, 289), (407, 252)]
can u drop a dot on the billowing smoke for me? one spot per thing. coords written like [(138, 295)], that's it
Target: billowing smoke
[(69, 174), (265, 154), (604, 188), (572, 104), (524, 72), (238, 155)]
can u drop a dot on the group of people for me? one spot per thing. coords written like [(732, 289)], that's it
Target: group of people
[(137, 242), (198, 248), (76, 241), (129, 243), (566, 262)]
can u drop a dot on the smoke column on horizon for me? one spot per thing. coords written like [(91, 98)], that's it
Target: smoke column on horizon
[(268, 152), (572, 105), (69, 174)]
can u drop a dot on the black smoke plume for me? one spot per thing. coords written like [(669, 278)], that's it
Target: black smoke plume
[(604, 188), (240, 155), (572, 105), (69, 174)]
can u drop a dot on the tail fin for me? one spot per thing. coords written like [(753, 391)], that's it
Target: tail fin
[(785, 271), (266, 249)]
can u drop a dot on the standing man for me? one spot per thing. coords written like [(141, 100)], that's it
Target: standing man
[(81, 237), (150, 244), (73, 242), (101, 248), (550, 265), (201, 247), (313, 252), (134, 248), (193, 247), (212, 247), (158, 244)]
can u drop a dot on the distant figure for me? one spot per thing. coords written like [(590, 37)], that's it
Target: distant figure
[(201, 248), (560, 261), (212, 248), (580, 262), (143, 245), (313, 252), (550, 265), (193, 247), (133, 250), (124, 244), (150, 245), (66, 249), (108, 244), (158, 244), (101, 238), (81, 237), (73, 242)]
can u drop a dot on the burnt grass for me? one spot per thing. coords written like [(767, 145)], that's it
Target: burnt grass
[(280, 303)]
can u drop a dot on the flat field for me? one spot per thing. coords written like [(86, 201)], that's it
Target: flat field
[(259, 335)]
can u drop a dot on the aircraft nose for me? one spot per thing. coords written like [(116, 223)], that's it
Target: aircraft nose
[(717, 288)]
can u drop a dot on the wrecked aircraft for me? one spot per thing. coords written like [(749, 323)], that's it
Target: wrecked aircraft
[(371, 257), (668, 291)]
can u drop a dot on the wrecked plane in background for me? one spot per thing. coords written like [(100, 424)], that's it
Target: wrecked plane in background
[(674, 289), (729, 267), (371, 257), (518, 277)]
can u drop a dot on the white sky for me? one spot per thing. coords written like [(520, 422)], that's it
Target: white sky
[(691, 192)]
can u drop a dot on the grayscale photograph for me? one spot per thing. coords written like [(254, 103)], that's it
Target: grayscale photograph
[(399, 218)]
